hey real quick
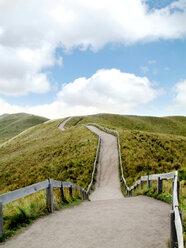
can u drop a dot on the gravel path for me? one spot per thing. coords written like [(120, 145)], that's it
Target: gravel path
[(108, 220), (108, 185), (62, 125)]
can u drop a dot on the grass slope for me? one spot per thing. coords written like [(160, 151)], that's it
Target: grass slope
[(44, 152), (168, 125), (37, 154), (13, 124), (142, 151)]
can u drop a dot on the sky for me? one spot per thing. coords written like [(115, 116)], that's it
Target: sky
[(63, 58)]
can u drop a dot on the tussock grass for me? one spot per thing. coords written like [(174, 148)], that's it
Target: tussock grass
[(157, 150), (148, 153), (44, 152), (11, 125), (168, 125)]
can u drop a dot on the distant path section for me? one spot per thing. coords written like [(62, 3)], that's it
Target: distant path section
[(108, 220), (62, 125)]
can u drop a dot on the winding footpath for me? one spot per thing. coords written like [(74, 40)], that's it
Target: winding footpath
[(108, 220)]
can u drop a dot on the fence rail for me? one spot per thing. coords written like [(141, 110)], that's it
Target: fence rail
[(49, 185), (176, 235), (95, 163), (176, 238)]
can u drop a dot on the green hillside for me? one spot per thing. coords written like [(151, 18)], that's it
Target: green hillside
[(37, 154), (13, 124), (168, 125), (148, 144), (44, 152)]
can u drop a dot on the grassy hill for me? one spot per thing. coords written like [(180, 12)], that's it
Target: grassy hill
[(37, 154), (13, 124), (44, 152), (148, 145), (168, 125)]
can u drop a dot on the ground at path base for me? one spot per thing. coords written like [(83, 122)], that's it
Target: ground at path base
[(137, 222)]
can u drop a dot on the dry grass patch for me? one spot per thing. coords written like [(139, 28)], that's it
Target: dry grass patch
[(46, 152), (40, 153)]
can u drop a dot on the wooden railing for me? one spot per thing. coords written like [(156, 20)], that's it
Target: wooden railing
[(94, 168), (176, 235), (49, 185)]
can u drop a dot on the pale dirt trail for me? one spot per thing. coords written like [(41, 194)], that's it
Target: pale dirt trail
[(108, 220), (62, 125), (107, 181)]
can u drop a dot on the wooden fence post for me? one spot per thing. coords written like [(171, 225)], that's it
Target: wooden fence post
[(172, 193), (62, 193), (148, 183), (159, 186), (49, 197), (1, 219), (81, 192), (178, 191), (141, 182), (130, 192), (173, 236), (84, 195), (70, 192)]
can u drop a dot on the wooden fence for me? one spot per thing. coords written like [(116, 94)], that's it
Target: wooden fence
[(48, 185), (176, 234), (95, 163)]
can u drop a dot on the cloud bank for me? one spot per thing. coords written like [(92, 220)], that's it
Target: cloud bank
[(110, 91), (30, 31)]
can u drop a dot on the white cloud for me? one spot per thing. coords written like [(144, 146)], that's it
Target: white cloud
[(20, 70), (31, 30), (110, 91), (180, 91)]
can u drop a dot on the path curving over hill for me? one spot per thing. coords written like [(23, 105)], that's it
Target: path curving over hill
[(108, 220), (107, 181), (62, 125)]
